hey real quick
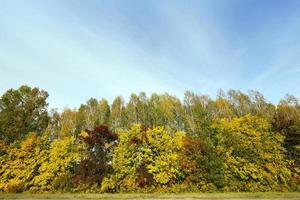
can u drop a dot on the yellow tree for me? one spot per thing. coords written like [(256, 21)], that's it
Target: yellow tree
[(19, 164), (253, 154), (57, 166), (145, 158)]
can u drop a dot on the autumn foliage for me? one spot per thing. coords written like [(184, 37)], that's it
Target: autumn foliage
[(97, 153), (236, 142)]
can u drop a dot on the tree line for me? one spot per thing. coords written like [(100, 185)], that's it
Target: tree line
[(235, 142)]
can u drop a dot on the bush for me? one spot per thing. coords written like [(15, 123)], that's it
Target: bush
[(62, 183), (14, 186)]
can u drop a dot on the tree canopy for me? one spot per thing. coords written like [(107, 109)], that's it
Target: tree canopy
[(22, 111), (158, 143)]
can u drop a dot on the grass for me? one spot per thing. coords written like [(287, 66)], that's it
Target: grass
[(211, 196)]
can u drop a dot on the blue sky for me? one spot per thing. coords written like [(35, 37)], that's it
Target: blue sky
[(77, 49)]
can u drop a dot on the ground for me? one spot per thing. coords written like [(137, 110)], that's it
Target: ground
[(186, 196)]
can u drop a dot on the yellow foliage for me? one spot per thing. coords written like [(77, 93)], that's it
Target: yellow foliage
[(83, 134), (253, 155), (14, 186), (62, 154), (146, 157)]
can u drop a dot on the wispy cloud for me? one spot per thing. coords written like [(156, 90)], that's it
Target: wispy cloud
[(77, 49)]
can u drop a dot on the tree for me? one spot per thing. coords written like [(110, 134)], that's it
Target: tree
[(287, 122), (88, 115), (260, 106), (19, 164), (156, 114), (22, 111), (240, 102), (104, 112), (144, 158), (222, 107), (67, 124), (237, 142), (253, 155), (96, 162), (118, 113), (173, 112), (57, 164), (134, 109), (92, 114), (166, 110), (197, 118)]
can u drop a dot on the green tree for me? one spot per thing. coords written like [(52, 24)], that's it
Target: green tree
[(166, 110), (22, 111), (198, 116), (260, 106), (92, 114), (222, 107), (104, 112), (118, 116), (135, 110), (287, 122)]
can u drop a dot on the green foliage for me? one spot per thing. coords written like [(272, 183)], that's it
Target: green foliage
[(287, 122), (93, 113), (22, 111), (198, 117), (118, 116)]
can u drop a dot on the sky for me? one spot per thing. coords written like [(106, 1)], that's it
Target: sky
[(78, 49)]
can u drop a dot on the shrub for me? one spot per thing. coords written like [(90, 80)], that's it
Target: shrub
[(14, 186)]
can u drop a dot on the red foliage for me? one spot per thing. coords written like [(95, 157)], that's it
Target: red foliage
[(144, 178), (97, 163)]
